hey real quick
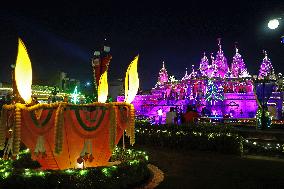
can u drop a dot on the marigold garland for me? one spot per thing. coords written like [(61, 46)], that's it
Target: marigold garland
[(59, 122), (112, 127), (17, 130), (87, 127), (3, 128), (130, 131), (38, 113)]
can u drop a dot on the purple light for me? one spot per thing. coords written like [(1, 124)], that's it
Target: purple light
[(230, 93)]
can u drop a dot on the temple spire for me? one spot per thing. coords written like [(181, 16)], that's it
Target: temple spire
[(238, 67), (266, 69), (265, 54), (204, 65), (219, 44), (220, 63), (193, 73), (236, 47), (186, 76), (163, 75)]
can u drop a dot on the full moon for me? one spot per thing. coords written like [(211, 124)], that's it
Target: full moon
[(273, 24)]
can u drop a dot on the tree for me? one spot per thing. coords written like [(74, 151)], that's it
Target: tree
[(212, 93)]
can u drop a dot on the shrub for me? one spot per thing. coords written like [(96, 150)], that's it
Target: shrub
[(193, 137)]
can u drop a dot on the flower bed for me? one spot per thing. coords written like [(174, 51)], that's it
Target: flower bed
[(131, 172)]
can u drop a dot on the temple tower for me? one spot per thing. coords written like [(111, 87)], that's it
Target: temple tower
[(266, 69), (238, 67), (220, 65), (203, 66), (163, 75)]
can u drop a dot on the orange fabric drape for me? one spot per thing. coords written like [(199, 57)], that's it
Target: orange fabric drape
[(74, 136)]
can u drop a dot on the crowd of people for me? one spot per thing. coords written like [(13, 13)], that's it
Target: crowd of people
[(177, 116)]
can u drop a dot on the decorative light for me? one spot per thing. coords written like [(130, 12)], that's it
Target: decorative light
[(69, 171), (23, 72), (80, 165), (172, 79), (106, 172), (83, 172), (131, 81), (74, 96), (266, 68), (273, 24), (103, 88)]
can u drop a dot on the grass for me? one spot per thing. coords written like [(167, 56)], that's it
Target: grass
[(196, 169)]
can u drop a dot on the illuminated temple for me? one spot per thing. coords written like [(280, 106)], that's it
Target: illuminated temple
[(214, 89)]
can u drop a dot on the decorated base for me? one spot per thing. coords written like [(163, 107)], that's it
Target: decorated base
[(62, 135), (24, 173)]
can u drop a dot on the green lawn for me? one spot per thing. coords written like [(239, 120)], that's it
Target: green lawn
[(195, 169)]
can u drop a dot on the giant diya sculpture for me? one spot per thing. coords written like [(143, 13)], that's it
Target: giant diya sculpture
[(62, 135)]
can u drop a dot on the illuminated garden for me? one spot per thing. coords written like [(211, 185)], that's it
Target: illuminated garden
[(72, 143)]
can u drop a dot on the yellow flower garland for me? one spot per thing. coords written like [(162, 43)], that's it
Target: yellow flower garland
[(113, 125), (3, 128), (17, 130), (130, 130), (18, 107), (59, 122)]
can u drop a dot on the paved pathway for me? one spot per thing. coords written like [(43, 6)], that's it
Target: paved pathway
[(193, 169)]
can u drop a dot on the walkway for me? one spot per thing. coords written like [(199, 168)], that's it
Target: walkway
[(195, 169)]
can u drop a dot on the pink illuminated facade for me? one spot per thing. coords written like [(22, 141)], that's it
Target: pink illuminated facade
[(220, 89)]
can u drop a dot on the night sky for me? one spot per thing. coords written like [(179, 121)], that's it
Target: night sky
[(63, 37)]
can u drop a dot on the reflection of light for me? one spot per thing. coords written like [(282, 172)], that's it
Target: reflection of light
[(273, 24), (23, 73), (80, 165), (88, 84)]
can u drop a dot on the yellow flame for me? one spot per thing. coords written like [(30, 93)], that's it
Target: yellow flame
[(131, 81), (103, 88), (23, 72)]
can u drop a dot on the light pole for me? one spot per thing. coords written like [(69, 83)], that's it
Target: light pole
[(263, 90)]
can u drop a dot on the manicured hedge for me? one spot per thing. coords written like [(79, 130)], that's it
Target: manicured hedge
[(210, 137), (190, 137)]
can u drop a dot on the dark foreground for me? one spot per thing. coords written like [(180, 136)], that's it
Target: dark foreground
[(195, 169)]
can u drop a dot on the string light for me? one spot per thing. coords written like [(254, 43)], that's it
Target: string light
[(75, 96), (266, 68), (132, 158)]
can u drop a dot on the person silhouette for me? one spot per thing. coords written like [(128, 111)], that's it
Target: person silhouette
[(171, 116), (160, 115)]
